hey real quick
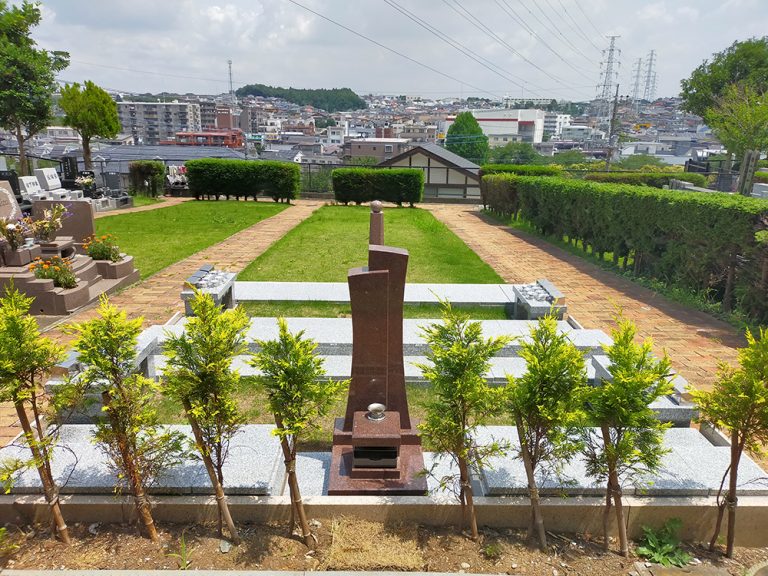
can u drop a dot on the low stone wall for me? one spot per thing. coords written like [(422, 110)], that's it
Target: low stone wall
[(580, 515)]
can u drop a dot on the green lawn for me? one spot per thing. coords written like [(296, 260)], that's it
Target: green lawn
[(146, 201), (292, 309), (158, 238), (335, 238), (252, 401)]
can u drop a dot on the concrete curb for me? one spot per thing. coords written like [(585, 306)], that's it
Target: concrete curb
[(576, 514)]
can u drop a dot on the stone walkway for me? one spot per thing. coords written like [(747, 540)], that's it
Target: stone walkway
[(158, 297), (695, 342), (167, 201)]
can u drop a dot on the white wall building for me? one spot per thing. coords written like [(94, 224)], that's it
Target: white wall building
[(505, 125), (580, 133), (554, 123)]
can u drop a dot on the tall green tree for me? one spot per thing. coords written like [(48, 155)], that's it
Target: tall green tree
[(26, 358), (298, 396), (462, 399), (544, 403), (128, 431), (738, 404), (627, 439), (199, 375), (466, 138), (514, 153), (739, 119), (27, 76), (91, 112), (742, 62)]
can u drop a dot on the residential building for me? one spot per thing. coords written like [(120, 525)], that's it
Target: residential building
[(579, 133), (151, 122), (554, 123), (446, 175), (227, 138), (379, 148)]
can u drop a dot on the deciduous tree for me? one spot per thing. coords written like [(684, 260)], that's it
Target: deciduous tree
[(739, 118), (738, 404), (27, 76), (462, 399), (743, 62), (299, 396), (627, 440), (544, 403), (199, 375), (91, 112), (466, 138)]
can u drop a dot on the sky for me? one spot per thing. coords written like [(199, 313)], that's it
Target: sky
[(429, 48)]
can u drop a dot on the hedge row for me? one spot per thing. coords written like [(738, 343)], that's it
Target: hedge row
[(214, 177), (654, 179), (760, 178), (697, 241), (396, 185), (521, 169)]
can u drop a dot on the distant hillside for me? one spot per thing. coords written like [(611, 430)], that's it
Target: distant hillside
[(331, 100)]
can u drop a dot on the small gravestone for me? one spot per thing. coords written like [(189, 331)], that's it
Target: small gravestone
[(78, 221), (9, 207)]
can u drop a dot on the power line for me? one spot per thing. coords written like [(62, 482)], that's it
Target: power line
[(165, 74), (510, 11), (380, 45), (575, 26), (455, 44), (578, 5), (483, 28), (557, 28), (554, 33)]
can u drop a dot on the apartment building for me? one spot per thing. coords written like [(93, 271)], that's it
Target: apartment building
[(150, 122)]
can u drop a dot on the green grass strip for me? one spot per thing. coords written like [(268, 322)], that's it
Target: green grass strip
[(291, 309), (158, 238), (335, 238)]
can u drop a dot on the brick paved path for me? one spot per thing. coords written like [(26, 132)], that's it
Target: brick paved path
[(167, 201), (158, 297), (695, 341)]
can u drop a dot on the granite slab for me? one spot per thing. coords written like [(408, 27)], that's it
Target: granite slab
[(254, 466), (692, 467)]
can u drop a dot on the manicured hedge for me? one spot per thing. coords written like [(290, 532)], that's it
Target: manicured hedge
[(521, 169), (695, 240), (655, 179), (147, 177), (761, 178), (214, 177), (358, 185)]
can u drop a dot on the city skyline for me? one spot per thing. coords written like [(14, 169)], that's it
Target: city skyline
[(486, 48)]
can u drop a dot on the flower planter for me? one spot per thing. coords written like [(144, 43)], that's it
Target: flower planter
[(114, 270), (21, 256), (64, 247)]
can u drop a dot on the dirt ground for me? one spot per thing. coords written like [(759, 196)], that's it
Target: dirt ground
[(342, 544)]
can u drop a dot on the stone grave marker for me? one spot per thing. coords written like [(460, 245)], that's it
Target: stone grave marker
[(78, 221), (376, 448), (9, 207)]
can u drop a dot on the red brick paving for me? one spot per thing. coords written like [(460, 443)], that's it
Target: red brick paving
[(695, 342)]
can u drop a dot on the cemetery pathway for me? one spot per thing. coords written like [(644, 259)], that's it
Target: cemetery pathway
[(695, 342), (167, 201), (157, 298)]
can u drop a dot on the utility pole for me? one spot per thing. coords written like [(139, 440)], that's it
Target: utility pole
[(611, 144)]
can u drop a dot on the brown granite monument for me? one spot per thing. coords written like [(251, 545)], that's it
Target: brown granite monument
[(376, 448)]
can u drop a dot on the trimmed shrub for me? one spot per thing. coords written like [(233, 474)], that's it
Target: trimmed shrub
[(214, 177), (147, 177), (521, 169), (500, 194), (761, 178), (706, 242), (654, 179), (358, 185)]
